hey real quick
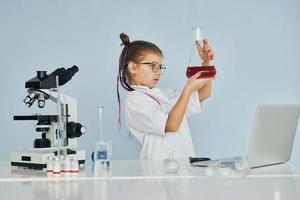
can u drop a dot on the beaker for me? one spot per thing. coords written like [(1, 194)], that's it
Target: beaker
[(195, 63)]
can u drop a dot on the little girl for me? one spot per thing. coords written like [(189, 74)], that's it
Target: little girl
[(155, 117)]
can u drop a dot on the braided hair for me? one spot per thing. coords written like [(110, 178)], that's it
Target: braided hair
[(132, 51)]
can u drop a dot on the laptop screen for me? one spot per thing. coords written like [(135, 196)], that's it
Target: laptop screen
[(273, 134)]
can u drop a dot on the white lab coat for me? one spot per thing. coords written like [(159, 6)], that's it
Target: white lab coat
[(146, 118)]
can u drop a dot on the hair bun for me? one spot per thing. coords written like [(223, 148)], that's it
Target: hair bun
[(125, 39)]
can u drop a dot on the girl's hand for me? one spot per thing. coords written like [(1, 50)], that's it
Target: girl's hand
[(206, 52), (193, 83)]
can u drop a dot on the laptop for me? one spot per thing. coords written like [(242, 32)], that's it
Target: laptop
[(272, 137)]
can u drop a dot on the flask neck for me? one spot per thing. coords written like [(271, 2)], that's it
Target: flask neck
[(197, 34)]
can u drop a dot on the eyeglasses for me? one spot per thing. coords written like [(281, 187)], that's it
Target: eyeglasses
[(155, 67)]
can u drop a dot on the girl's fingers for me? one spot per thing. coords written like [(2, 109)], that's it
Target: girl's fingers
[(198, 74), (212, 55), (195, 76), (207, 48)]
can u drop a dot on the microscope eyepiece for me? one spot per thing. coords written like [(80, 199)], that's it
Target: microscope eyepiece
[(73, 70), (64, 75), (48, 81)]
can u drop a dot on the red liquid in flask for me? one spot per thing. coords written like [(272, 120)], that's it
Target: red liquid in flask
[(206, 71)]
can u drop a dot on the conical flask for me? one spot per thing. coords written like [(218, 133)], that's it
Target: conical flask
[(195, 63)]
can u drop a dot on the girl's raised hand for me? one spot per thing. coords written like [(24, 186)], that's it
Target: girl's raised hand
[(206, 52), (195, 83)]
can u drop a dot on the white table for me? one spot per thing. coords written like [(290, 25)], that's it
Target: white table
[(147, 180)]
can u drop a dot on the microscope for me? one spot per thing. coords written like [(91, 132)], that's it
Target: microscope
[(41, 88)]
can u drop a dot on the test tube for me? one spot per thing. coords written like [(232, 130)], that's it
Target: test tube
[(102, 151), (101, 129)]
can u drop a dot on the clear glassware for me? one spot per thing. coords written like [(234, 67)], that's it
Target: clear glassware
[(170, 165), (195, 63), (103, 149), (232, 167)]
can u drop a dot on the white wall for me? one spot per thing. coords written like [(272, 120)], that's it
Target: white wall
[(257, 49)]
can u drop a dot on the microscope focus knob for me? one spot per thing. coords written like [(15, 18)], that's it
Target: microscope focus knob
[(75, 129)]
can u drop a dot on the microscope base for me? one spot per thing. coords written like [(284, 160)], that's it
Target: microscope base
[(37, 158)]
